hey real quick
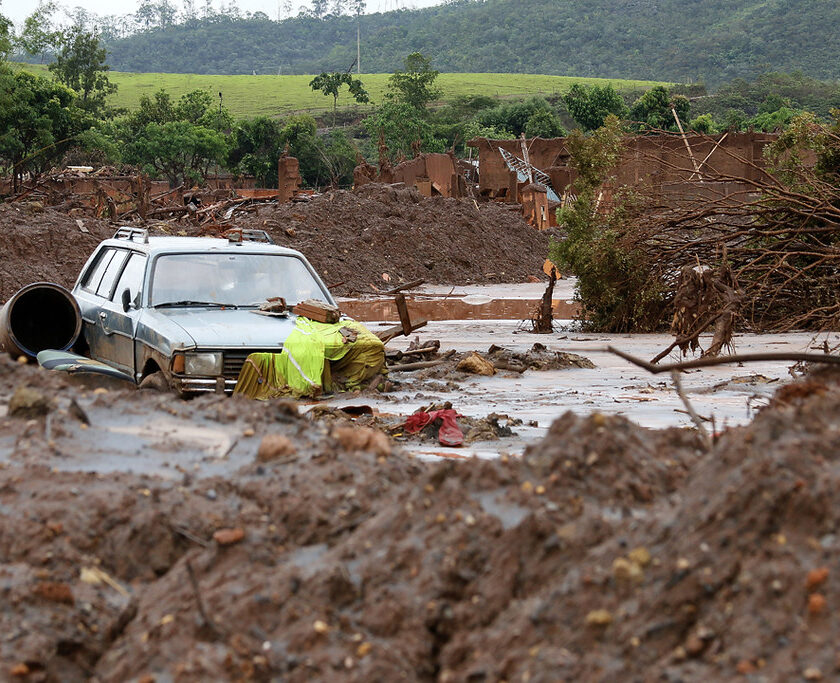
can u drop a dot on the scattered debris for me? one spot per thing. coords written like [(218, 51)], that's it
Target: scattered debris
[(704, 298), (476, 365)]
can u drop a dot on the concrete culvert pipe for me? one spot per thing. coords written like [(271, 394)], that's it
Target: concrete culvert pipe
[(40, 316)]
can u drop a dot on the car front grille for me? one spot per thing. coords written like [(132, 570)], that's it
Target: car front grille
[(234, 360)]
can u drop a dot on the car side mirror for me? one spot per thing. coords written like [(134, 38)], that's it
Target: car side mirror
[(126, 300)]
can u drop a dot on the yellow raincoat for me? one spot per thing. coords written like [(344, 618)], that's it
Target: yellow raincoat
[(316, 358)]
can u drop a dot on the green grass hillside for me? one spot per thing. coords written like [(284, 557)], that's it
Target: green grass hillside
[(276, 95)]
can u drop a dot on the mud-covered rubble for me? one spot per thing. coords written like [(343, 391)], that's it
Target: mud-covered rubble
[(451, 368), (364, 241), (607, 552)]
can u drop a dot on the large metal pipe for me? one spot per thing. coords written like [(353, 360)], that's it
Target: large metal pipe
[(40, 316)]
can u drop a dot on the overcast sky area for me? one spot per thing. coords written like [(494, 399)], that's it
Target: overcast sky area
[(18, 10)]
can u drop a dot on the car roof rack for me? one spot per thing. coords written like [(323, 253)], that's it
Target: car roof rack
[(131, 233), (238, 235)]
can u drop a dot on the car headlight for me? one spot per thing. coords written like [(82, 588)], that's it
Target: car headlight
[(203, 364)]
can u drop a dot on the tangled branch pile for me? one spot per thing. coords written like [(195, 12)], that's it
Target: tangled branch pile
[(777, 233)]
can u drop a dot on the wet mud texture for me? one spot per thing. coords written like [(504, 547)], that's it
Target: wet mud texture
[(352, 238), (355, 237), (608, 552)]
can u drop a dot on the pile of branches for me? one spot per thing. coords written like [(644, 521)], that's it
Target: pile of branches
[(775, 231)]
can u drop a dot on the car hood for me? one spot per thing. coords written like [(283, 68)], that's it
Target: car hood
[(214, 328)]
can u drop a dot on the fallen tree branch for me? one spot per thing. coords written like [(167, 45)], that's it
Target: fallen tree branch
[(695, 418), (724, 360)]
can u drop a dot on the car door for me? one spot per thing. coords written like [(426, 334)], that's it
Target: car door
[(118, 324), (90, 303), (94, 297)]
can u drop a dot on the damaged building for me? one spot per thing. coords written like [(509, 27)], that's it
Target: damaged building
[(541, 178)]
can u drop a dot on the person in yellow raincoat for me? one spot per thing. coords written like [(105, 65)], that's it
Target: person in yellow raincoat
[(316, 358)]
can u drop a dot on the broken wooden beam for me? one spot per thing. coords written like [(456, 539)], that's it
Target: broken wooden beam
[(389, 333), (401, 288)]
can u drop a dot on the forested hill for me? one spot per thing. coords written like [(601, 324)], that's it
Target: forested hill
[(650, 39)]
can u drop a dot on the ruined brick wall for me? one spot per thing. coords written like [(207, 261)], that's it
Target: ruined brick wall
[(288, 178), (657, 160), (432, 174)]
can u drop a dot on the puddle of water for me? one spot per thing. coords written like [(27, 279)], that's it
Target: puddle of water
[(180, 435), (472, 307), (509, 515)]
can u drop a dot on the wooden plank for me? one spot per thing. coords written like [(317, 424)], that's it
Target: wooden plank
[(389, 333), (408, 285), (402, 309)]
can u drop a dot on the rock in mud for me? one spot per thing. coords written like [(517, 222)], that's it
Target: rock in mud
[(229, 536), (363, 439), (476, 365), (276, 447)]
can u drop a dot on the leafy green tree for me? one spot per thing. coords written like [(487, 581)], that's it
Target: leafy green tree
[(255, 148), (703, 124), (415, 84), (6, 37), (80, 65), (403, 125), (734, 119), (514, 116), (319, 8), (199, 107), (178, 150), (39, 34), (178, 140), (330, 161), (196, 107), (589, 106), (299, 127), (473, 129), (38, 121), (544, 124), (330, 84), (653, 109), (614, 284), (324, 159), (146, 14), (773, 121)]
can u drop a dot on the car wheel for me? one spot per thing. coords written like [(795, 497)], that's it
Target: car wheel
[(155, 382)]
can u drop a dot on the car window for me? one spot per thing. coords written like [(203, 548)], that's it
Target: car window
[(131, 278), (111, 273), (94, 275), (232, 279)]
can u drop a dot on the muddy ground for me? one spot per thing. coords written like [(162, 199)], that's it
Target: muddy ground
[(608, 552), (364, 241)]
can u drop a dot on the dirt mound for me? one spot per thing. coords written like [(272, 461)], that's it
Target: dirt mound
[(374, 238), (607, 552), (357, 237), (44, 245)]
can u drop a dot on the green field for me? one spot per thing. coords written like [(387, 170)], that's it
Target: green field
[(279, 95)]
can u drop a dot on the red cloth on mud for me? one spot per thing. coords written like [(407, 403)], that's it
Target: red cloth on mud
[(449, 434)]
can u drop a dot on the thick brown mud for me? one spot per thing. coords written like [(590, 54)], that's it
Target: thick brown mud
[(608, 552)]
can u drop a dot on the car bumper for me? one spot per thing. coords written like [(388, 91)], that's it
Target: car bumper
[(203, 385)]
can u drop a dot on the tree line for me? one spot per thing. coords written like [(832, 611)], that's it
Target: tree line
[(67, 118), (667, 40)]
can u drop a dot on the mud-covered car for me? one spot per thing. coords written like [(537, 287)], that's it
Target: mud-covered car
[(185, 310)]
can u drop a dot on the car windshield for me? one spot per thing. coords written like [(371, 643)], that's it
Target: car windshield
[(231, 279)]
